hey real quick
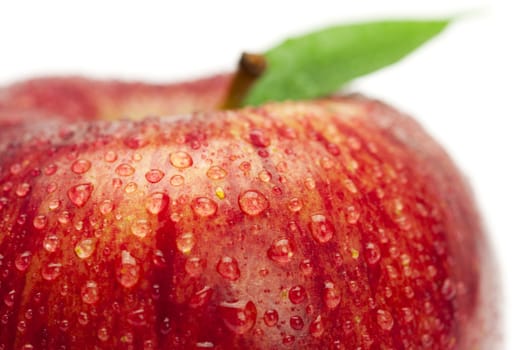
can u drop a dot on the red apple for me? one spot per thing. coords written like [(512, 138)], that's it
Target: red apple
[(329, 224)]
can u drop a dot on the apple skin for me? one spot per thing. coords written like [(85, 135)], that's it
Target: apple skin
[(328, 224)]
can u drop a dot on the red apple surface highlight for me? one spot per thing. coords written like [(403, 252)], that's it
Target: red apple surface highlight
[(329, 224)]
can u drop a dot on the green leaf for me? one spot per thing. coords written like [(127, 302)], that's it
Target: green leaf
[(320, 63)]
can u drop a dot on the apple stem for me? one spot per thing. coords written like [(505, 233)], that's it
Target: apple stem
[(251, 67)]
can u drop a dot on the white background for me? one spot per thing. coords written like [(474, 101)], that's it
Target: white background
[(466, 86)]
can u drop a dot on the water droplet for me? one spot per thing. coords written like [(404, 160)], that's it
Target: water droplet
[(50, 169), (295, 204), (195, 266), (245, 167), (103, 334), (385, 320), (128, 271), (331, 295), (181, 160), (51, 271), (201, 297), (271, 317), (158, 259), (89, 292), (125, 169), (140, 228), (296, 322), (238, 318), (281, 251), (106, 207), (265, 176), (110, 156), (9, 298), (39, 222), (317, 327), (372, 253), (185, 242), (306, 267), (23, 189), (297, 294), (228, 268), (448, 289), (259, 139), (64, 217), (177, 180), (85, 248), (322, 229), (327, 163), (288, 339), (253, 202), (352, 214), (80, 166), (157, 202), (309, 183), (154, 175), (22, 261), (137, 318), (203, 206), (50, 242), (80, 194), (216, 172), (131, 187), (83, 318)]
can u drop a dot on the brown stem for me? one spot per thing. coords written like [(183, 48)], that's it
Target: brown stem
[(251, 67)]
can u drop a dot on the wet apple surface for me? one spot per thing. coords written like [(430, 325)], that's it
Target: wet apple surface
[(334, 223)]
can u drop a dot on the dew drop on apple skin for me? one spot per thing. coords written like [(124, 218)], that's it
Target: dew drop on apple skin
[(89, 293), (140, 228), (50, 242), (296, 322), (157, 202), (271, 317), (372, 253), (154, 176), (201, 297), (331, 295), (177, 180), (316, 327), (106, 207), (181, 160), (281, 251), (125, 169), (203, 206), (103, 334), (252, 202), (295, 204), (228, 268), (385, 320), (9, 298), (80, 166), (137, 318), (40, 222), (127, 270), (51, 271), (216, 173), (238, 318), (297, 294), (195, 266), (80, 194), (23, 260), (322, 229), (85, 248), (23, 189), (185, 242)]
